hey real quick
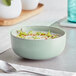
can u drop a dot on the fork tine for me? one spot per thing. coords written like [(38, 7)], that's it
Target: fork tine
[(6, 67)]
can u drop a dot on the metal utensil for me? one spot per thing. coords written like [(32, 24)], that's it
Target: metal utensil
[(7, 68)]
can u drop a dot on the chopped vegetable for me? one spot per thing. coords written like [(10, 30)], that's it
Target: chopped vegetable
[(43, 33), (30, 32), (49, 34), (36, 35)]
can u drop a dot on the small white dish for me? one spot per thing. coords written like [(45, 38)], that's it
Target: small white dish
[(30, 4)]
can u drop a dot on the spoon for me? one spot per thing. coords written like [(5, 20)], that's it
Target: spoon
[(7, 68)]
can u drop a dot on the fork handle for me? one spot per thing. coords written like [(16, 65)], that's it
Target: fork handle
[(32, 72)]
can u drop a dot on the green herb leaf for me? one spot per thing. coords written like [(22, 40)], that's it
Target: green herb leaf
[(7, 2)]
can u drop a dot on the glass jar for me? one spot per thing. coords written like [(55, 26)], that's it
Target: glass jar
[(72, 10)]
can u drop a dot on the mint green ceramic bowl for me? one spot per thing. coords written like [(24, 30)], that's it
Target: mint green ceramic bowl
[(38, 49)]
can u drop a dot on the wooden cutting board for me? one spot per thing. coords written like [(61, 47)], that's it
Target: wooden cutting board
[(24, 15)]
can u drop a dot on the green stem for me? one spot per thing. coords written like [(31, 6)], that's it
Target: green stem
[(6, 2)]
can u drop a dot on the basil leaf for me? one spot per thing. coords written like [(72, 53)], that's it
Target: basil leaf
[(7, 2)]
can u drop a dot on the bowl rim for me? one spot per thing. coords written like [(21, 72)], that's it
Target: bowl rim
[(38, 39)]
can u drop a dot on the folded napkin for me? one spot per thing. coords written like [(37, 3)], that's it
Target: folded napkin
[(67, 24), (47, 72)]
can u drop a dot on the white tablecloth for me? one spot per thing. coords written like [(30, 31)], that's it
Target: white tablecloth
[(47, 72)]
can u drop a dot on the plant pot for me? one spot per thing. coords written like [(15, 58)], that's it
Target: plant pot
[(30, 4), (12, 11)]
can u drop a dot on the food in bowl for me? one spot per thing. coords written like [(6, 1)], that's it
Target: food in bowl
[(39, 35), (38, 49)]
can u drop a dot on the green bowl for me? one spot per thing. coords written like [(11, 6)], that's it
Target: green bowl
[(38, 49)]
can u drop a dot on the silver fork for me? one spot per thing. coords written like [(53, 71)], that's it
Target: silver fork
[(7, 68)]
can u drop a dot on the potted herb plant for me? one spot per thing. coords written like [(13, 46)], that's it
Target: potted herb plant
[(10, 8)]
